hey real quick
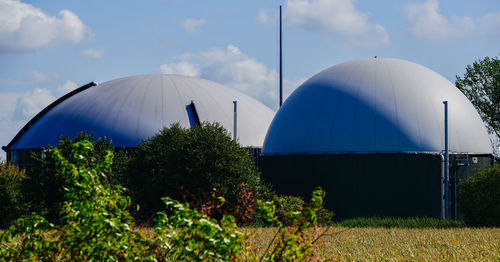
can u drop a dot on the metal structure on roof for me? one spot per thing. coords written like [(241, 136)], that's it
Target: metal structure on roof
[(376, 105), (129, 109)]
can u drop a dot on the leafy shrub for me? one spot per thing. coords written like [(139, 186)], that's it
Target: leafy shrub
[(99, 228), (12, 204), (34, 245), (479, 196), (286, 204), (187, 235), (200, 165), (291, 242), (44, 188), (325, 217)]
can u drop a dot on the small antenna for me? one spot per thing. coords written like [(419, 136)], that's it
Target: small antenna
[(235, 128), (281, 64)]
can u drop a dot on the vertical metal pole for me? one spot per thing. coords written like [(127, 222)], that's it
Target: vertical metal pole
[(281, 64), (443, 194), (446, 160), (454, 212), (235, 136)]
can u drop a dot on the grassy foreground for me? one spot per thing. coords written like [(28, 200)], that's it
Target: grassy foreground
[(394, 244), (387, 244)]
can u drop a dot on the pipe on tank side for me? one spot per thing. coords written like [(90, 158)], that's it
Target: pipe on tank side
[(443, 196), (447, 162), (235, 128)]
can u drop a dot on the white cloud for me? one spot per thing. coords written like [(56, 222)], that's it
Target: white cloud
[(7, 104), (180, 68), (32, 102), (336, 17), (16, 109), (40, 77), (426, 22), (191, 25), (92, 53), (234, 69), (65, 88), (263, 16), (25, 28)]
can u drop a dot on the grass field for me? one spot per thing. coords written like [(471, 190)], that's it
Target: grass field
[(395, 244), (388, 244)]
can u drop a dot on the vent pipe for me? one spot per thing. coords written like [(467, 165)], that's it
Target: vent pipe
[(446, 161), (443, 197), (235, 136), (281, 64)]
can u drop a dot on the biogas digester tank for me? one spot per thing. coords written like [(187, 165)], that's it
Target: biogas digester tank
[(371, 132), (132, 108)]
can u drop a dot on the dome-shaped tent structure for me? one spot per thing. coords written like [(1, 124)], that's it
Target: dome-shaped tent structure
[(376, 105), (371, 131), (129, 109)]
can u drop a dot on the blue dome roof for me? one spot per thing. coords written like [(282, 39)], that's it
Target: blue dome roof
[(377, 105), (129, 109)]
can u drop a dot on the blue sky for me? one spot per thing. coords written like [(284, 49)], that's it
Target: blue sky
[(48, 48)]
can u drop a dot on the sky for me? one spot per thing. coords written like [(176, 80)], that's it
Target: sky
[(48, 48)]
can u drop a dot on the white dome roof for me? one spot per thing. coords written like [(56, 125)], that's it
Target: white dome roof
[(133, 108), (375, 105)]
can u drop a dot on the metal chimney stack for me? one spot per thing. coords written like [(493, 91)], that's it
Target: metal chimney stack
[(235, 136), (281, 64)]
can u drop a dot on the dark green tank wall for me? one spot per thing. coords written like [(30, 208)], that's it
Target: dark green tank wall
[(360, 185)]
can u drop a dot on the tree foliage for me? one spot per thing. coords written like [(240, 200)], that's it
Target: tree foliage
[(201, 165), (12, 202), (479, 198), (286, 204), (292, 241), (99, 227), (481, 84), (97, 224), (44, 187)]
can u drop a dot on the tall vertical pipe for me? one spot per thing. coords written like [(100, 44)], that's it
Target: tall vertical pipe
[(447, 160), (235, 136), (281, 64), (443, 194)]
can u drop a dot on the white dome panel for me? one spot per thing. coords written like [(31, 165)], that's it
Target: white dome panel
[(377, 105), (129, 109)]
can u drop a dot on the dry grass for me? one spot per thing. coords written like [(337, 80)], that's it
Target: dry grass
[(395, 244), (388, 244)]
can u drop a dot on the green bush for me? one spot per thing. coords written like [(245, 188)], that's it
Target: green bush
[(410, 222), (12, 203), (292, 241), (97, 225), (187, 235), (99, 228), (200, 165), (479, 198), (44, 188), (286, 204)]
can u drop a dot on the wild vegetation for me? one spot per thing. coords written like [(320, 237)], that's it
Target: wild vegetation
[(43, 190), (12, 204), (201, 165), (481, 85), (411, 222), (479, 197), (97, 225), (95, 212)]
